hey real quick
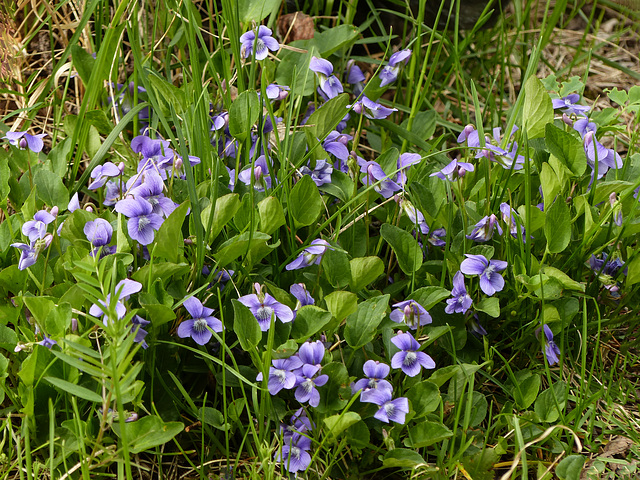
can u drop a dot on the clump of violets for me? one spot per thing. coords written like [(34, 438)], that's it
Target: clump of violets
[(24, 140), (263, 42), (460, 300), (312, 255), (200, 325), (488, 270), (330, 86), (389, 73), (263, 306), (411, 313), (551, 350), (409, 359)]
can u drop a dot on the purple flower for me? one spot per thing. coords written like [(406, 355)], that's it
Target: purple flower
[(376, 176), (336, 144), (264, 306), (460, 301), (390, 410), (475, 327), (198, 326), (47, 342), (321, 174), (404, 162), (112, 193), (490, 281), (409, 359), (483, 230), (410, 313), (453, 171), (355, 77), (311, 353), (568, 104), (299, 423), (156, 150), (551, 350), (152, 190), (123, 290), (508, 158), (142, 221), (606, 267), (29, 253), (98, 232), (74, 203), (263, 43), (102, 173), (509, 217), (330, 86), (371, 109), (389, 73), (310, 255), (136, 327), (415, 215), (261, 176), (375, 373), (37, 228), (293, 455), (299, 290), (597, 153), (24, 140), (307, 391), (277, 92), (584, 126), (281, 374)]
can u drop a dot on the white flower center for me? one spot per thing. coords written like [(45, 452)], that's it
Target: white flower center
[(307, 385), (389, 409), (410, 358), (200, 325), (281, 375), (143, 222), (264, 313)]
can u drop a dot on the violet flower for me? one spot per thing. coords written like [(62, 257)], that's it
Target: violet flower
[(137, 324), (47, 342), (299, 290), (263, 306), (507, 157), (311, 353), (29, 253), (584, 126), (453, 171), (310, 255), (415, 215), (551, 350), (375, 372), (605, 266), (263, 43), (321, 174), (198, 326), (409, 359), (569, 104), (460, 301), (99, 232), (277, 92), (389, 73), (103, 172), (490, 280), (24, 140), (355, 77), (281, 374), (330, 86), (336, 144), (124, 289), (483, 230), (371, 109), (294, 455), (404, 162), (410, 313), (376, 176), (390, 410), (307, 391), (261, 176), (474, 326), (37, 228), (142, 221), (152, 190), (509, 218)]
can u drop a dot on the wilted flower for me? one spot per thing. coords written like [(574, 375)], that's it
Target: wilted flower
[(551, 350), (483, 230), (198, 326), (24, 140), (263, 43), (409, 359), (371, 109), (490, 280)]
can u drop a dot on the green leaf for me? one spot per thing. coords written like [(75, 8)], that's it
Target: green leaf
[(538, 108), (341, 304), (83, 62), (271, 215), (162, 270), (226, 208), (309, 320), (334, 39), (429, 297), (39, 307), (425, 398), (169, 239), (618, 96), (570, 468), (480, 465), (526, 387), (8, 338), (158, 314), (402, 458), (406, 248), (148, 432), (73, 389), (325, 118), (550, 184), (427, 433), (566, 281), (246, 326), (305, 203), (50, 189), (214, 417), (5, 173), (58, 320), (341, 186), (557, 226), (337, 392), (545, 406), (424, 124), (336, 424), (167, 95), (490, 306), (251, 11), (365, 270), (243, 114), (633, 271), (239, 245), (363, 323), (336, 268), (566, 148)]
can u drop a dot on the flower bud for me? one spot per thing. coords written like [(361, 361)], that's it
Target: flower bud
[(54, 211), (567, 120)]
